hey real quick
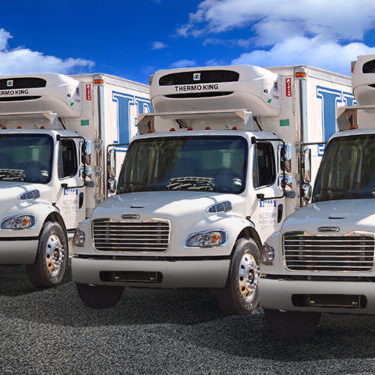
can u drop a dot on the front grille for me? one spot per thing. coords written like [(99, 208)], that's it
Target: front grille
[(328, 253), (206, 76), (131, 236)]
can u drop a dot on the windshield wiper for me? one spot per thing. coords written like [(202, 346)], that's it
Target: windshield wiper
[(125, 189), (191, 183), (12, 175)]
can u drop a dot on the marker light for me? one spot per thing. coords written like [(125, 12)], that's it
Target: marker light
[(172, 129), (98, 81), (234, 128), (150, 131), (4, 127), (19, 127), (207, 128), (189, 128), (300, 75), (42, 127)]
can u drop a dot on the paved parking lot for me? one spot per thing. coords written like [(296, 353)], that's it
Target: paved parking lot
[(162, 332)]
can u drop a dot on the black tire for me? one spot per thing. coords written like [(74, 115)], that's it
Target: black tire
[(52, 257), (292, 324), (99, 296), (235, 298)]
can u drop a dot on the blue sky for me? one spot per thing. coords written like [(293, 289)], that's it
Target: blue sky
[(132, 39)]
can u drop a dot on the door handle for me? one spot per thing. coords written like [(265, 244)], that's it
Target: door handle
[(280, 209)]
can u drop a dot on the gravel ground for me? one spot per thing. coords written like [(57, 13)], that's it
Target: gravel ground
[(163, 332)]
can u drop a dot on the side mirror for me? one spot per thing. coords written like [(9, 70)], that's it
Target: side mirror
[(112, 184), (285, 158), (86, 152), (306, 166), (111, 164), (306, 193)]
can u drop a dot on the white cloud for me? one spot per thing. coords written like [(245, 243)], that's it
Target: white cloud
[(23, 60), (183, 63), (321, 33), (344, 20), (325, 54), (159, 45)]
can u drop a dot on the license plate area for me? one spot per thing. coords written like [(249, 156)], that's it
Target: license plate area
[(131, 277), (348, 301)]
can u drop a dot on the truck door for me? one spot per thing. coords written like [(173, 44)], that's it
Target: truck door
[(71, 197), (269, 209)]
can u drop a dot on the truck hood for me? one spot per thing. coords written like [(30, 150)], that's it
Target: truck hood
[(10, 192), (346, 215), (165, 204)]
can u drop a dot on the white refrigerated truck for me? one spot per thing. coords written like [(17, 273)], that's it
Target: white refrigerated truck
[(50, 176), (322, 259), (214, 171)]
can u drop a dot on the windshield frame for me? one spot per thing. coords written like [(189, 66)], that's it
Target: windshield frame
[(327, 153), (223, 136), (52, 152)]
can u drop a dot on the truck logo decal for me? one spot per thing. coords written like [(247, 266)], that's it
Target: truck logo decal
[(130, 217), (330, 98), (10, 83), (196, 76), (88, 92), (328, 229), (288, 87), (124, 113)]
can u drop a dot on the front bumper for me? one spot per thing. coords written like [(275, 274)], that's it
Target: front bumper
[(277, 294), (18, 251), (181, 273)]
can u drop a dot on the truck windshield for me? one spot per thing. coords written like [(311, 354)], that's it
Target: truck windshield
[(26, 157), (347, 170), (199, 163)]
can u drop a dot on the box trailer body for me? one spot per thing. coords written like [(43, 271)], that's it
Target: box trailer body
[(221, 173), (322, 259), (54, 132)]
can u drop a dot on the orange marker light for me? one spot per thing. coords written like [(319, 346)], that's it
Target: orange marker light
[(42, 127), (25, 221), (300, 74), (4, 127), (98, 81), (19, 127), (215, 238), (207, 128), (172, 129), (189, 128), (151, 131), (234, 128)]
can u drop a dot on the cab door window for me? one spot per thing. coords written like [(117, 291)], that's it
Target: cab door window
[(264, 171), (67, 162)]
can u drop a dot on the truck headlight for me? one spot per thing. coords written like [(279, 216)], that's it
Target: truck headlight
[(18, 222), (267, 254), (206, 239), (79, 238)]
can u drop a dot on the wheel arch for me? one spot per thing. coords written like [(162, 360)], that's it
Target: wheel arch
[(55, 217), (249, 232)]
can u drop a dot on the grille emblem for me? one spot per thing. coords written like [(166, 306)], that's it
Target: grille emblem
[(196, 76), (328, 229), (10, 83), (130, 217)]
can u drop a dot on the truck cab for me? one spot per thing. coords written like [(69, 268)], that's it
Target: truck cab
[(212, 173), (322, 259)]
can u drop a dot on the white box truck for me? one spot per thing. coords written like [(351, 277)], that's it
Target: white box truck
[(212, 174), (322, 259), (50, 176)]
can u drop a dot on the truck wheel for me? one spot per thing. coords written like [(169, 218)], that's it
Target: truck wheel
[(99, 296), (51, 258), (292, 324), (240, 296)]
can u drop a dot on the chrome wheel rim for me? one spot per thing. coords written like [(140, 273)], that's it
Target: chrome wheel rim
[(248, 279), (54, 255)]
